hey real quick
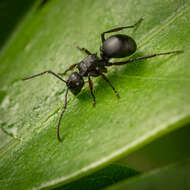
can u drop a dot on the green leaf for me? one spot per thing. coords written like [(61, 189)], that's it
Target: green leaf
[(173, 177), (154, 93), (102, 178)]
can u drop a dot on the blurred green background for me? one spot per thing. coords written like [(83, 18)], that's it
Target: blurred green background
[(11, 14)]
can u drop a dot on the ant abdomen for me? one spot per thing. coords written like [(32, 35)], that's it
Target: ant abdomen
[(118, 46)]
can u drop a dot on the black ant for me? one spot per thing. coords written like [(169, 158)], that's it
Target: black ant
[(116, 46)]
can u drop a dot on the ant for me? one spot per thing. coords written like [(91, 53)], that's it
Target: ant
[(115, 46)]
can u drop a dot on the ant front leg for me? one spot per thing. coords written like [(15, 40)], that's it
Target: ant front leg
[(91, 90), (69, 69), (84, 50), (74, 65), (119, 29)]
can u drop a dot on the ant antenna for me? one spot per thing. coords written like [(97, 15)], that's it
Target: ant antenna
[(42, 73), (60, 118)]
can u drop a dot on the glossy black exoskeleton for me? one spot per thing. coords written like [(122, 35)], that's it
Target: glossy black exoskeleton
[(115, 46), (118, 46)]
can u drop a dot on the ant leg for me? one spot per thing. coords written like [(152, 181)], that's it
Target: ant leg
[(74, 65), (85, 50), (60, 118), (120, 28), (91, 89), (107, 80), (143, 57), (42, 73), (69, 69)]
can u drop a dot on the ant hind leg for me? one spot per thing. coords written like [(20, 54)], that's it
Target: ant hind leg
[(120, 28), (144, 57)]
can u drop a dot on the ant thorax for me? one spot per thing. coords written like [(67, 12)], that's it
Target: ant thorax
[(88, 64)]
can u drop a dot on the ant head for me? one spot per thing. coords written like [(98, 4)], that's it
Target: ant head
[(75, 83)]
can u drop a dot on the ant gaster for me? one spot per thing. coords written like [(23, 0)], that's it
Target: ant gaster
[(115, 46)]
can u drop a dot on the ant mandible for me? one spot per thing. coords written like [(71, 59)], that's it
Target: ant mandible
[(115, 46)]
